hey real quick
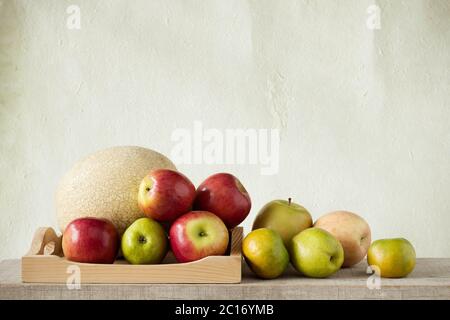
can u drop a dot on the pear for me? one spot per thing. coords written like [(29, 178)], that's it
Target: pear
[(265, 253), (316, 253)]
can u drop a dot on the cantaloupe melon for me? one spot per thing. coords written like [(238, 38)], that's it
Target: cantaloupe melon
[(105, 185)]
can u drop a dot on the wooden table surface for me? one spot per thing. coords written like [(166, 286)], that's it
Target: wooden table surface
[(429, 280)]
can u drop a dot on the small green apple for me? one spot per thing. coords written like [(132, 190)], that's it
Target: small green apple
[(285, 217), (144, 242), (316, 253)]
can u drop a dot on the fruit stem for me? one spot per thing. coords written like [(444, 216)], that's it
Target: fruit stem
[(289, 199)]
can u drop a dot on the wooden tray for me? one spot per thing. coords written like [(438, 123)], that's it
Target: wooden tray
[(45, 263)]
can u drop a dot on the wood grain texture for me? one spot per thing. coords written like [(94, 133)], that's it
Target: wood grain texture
[(42, 266), (430, 280), (45, 242)]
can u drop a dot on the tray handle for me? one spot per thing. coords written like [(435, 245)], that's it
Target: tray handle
[(45, 242), (236, 241)]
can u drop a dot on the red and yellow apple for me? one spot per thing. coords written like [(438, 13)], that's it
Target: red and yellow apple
[(198, 234), (225, 196), (90, 240), (351, 230), (165, 194)]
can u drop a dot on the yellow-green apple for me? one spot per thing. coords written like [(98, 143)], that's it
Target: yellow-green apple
[(316, 253), (351, 230), (165, 194), (395, 258), (90, 240), (265, 253), (144, 242), (198, 234), (285, 217), (225, 196)]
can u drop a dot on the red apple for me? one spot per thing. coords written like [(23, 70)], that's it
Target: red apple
[(164, 195), (90, 240), (225, 196), (198, 234)]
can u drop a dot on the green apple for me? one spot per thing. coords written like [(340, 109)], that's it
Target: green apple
[(395, 258), (316, 253), (144, 242), (285, 217)]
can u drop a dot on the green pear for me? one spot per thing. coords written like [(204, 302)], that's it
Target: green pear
[(265, 253), (285, 217), (316, 253), (395, 258), (144, 242)]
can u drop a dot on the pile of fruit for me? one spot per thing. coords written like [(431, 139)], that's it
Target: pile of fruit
[(284, 232), (106, 209), (167, 198)]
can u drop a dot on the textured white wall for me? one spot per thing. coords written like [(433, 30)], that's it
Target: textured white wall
[(363, 114)]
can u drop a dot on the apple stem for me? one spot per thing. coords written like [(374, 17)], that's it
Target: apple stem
[(289, 199)]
